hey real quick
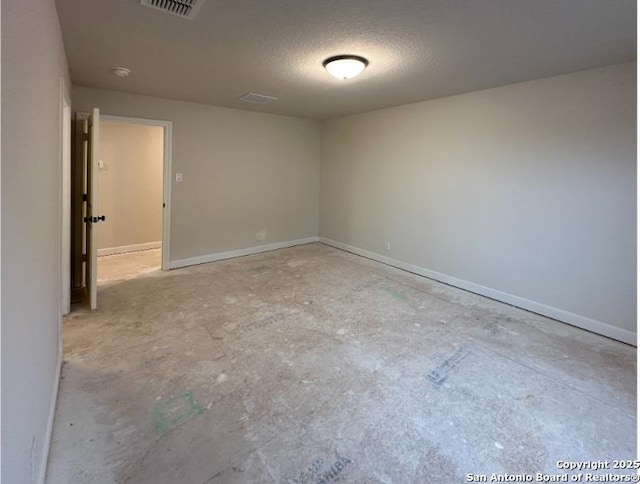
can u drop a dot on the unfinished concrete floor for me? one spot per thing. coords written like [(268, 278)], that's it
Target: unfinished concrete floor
[(312, 365)]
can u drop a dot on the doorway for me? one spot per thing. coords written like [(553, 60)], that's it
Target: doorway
[(130, 195), (131, 160)]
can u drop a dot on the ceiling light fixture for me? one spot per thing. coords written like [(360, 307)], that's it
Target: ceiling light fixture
[(120, 71), (345, 66)]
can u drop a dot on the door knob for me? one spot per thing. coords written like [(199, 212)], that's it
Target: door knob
[(95, 220)]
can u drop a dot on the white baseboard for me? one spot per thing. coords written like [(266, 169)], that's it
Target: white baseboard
[(129, 248), (573, 319), (230, 254), (44, 461)]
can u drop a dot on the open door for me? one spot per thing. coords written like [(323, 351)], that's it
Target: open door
[(91, 212)]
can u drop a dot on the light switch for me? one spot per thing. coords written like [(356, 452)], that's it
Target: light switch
[(178, 177), (100, 164)]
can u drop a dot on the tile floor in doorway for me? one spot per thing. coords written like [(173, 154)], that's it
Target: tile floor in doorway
[(118, 267)]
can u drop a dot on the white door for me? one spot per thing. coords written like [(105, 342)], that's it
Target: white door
[(91, 213)]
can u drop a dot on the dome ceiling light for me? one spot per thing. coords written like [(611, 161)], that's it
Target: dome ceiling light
[(345, 66)]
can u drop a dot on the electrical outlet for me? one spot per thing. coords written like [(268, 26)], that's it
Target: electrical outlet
[(179, 177), (387, 246), (261, 234)]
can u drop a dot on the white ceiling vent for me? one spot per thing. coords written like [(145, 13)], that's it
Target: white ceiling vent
[(257, 98), (181, 8)]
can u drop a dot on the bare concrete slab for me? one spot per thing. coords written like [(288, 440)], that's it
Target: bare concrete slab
[(595, 365), (312, 365)]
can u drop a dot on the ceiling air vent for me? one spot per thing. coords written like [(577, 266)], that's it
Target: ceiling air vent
[(257, 98), (181, 8)]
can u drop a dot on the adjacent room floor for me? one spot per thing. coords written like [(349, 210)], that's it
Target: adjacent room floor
[(312, 365), (118, 267)]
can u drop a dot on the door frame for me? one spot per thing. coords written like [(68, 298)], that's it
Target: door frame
[(166, 174), (65, 199)]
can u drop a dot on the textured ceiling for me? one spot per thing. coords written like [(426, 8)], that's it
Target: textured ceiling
[(418, 49)]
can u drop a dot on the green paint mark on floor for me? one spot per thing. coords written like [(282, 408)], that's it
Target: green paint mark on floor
[(171, 413), (397, 294)]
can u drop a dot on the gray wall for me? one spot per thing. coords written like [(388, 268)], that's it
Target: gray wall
[(527, 189), (33, 62), (130, 184), (243, 171)]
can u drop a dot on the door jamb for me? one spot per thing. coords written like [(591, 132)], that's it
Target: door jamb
[(65, 199), (166, 174)]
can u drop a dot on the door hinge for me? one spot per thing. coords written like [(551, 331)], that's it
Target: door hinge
[(85, 136), (84, 197), (83, 258), (164, 205)]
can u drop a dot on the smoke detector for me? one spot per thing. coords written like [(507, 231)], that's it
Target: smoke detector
[(180, 8), (257, 98), (120, 71)]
